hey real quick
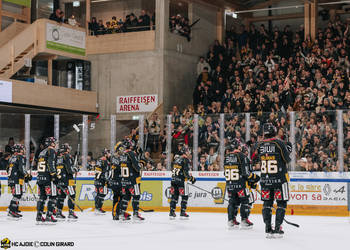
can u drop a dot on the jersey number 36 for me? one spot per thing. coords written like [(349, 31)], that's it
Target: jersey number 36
[(269, 167)]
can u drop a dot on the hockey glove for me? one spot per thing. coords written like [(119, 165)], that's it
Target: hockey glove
[(28, 178), (54, 178), (193, 180)]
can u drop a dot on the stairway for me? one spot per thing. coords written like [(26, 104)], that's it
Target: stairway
[(17, 63), (16, 50)]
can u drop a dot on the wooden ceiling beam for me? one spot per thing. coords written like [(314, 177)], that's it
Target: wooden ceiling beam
[(264, 4), (278, 17)]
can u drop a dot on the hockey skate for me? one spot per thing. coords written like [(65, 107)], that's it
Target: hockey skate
[(184, 216), (60, 216), (269, 232), (72, 217), (278, 233), (13, 216), (137, 217), (99, 211), (40, 220), (124, 217), (50, 220), (246, 224), (172, 215), (233, 224)]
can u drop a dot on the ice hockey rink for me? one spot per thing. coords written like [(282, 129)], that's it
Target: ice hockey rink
[(202, 231)]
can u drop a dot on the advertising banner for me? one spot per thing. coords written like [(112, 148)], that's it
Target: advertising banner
[(5, 91), (325, 190), (59, 37), (137, 103), (26, 3)]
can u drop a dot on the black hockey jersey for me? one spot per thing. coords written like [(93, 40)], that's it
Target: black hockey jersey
[(273, 157), (130, 169), (181, 168), (46, 165), (16, 170), (102, 169), (65, 170), (237, 170), (115, 175)]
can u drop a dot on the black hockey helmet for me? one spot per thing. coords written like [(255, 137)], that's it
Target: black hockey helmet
[(184, 150), (106, 151), (17, 148), (244, 148), (269, 130), (234, 144), (49, 141), (65, 148), (127, 144)]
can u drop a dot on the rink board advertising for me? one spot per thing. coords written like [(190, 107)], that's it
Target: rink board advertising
[(310, 193)]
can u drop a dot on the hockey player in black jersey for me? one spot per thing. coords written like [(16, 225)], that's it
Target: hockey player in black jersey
[(47, 180), (102, 169), (17, 176), (131, 177), (66, 184), (252, 183), (115, 180), (237, 174), (273, 155), (179, 186)]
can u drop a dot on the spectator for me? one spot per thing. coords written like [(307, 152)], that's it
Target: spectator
[(144, 21), (57, 16), (202, 64), (94, 27), (154, 132), (72, 21), (203, 165), (8, 147), (4, 160)]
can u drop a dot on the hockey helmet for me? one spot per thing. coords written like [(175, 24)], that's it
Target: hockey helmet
[(106, 151), (269, 130), (17, 148), (235, 144), (65, 148), (119, 147), (184, 150), (49, 141)]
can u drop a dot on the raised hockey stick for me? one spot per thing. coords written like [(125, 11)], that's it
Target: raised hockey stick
[(286, 221), (71, 199)]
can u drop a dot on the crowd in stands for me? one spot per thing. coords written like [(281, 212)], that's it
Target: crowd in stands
[(130, 23), (58, 16), (258, 72), (180, 25)]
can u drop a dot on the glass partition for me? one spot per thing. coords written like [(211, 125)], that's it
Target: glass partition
[(320, 140)]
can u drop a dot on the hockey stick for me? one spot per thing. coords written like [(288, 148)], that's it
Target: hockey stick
[(205, 191), (70, 198), (147, 210), (31, 190), (286, 221)]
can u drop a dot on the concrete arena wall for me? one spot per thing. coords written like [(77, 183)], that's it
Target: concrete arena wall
[(322, 194)]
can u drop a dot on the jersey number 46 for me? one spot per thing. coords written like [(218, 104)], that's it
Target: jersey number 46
[(269, 167)]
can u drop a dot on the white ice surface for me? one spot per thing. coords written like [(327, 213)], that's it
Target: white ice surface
[(202, 231)]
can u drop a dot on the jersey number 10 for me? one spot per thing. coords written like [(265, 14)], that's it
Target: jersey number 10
[(269, 167)]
